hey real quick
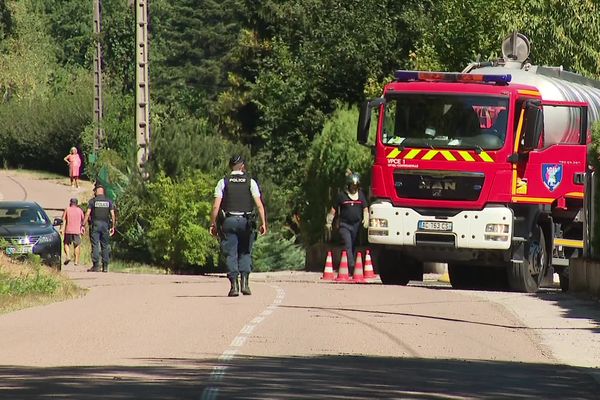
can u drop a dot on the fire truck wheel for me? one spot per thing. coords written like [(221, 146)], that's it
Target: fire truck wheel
[(527, 276), (392, 270)]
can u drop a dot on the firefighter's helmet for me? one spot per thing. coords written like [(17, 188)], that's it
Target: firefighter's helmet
[(353, 179)]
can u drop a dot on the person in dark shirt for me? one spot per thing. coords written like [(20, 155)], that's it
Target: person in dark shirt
[(101, 219), (235, 198), (352, 211)]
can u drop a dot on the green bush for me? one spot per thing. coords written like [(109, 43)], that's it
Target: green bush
[(176, 216), (275, 252)]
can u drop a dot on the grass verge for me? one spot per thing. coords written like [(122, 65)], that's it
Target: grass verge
[(135, 268), (27, 283), (35, 174), (117, 265)]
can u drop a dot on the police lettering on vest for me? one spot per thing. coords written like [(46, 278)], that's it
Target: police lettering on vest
[(237, 197), (100, 206)]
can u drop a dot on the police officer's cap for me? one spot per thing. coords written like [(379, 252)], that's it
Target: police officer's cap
[(235, 160), (353, 179)]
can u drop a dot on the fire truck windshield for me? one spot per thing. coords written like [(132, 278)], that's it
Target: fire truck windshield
[(445, 121)]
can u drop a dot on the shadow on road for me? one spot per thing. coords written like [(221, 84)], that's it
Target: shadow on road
[(573, 307), (433, 317), (324, 377)]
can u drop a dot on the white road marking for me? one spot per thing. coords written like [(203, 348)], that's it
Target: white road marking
[(211, 392), (238, 341), (227, 355), (247, 329)]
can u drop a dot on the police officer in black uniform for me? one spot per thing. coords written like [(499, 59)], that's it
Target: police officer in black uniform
[(101, 218), (352, 210), (235, 198)]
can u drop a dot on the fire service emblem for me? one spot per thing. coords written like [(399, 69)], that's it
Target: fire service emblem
[(552, 175)]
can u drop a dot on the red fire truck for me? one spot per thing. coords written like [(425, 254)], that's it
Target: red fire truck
[(483, 170)]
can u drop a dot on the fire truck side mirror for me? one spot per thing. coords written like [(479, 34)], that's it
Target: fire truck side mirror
[(364, 119), (533, 125)]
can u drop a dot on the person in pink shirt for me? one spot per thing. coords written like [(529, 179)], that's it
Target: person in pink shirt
[(72, 228), (74, 162)]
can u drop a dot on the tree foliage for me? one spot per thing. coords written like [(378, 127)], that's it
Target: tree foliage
[(27, 66), (39, 132), (6, 22), (181, 147), (70, 23), (191, 41)]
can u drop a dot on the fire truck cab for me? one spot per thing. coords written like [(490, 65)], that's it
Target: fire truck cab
[(483, 170)]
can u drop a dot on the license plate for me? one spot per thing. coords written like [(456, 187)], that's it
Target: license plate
[(19, 250), (435, 226)]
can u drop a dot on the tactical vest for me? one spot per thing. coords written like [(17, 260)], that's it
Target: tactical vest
[(100, 209), (237, 196)]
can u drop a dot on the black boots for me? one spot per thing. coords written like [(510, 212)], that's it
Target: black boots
[(235, 287), (245, 285)]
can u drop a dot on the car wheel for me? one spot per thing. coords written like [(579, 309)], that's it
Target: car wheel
[(54, 262)]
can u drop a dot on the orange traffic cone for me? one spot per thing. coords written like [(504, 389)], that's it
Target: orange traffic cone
[(343, 274), (328, 274), (357, 275), (369, 273)]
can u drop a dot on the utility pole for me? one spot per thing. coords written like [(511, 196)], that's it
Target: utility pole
[(142, 94), (98, 100)]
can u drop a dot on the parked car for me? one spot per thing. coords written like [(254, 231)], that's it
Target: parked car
[(26, 228)]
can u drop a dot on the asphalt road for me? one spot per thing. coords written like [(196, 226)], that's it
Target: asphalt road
[(296, 337)]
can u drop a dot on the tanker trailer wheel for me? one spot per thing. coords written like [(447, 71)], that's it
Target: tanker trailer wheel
[(392, 268), (527, 276)]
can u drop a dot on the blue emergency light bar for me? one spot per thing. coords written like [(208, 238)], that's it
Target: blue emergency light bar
[(407, 76)]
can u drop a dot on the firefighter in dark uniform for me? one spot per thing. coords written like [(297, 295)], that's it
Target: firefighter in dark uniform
[(101, 218), (352, 210), (235, 198)]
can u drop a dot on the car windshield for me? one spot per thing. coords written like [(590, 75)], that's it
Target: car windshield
[(445, 121), (22, 215)]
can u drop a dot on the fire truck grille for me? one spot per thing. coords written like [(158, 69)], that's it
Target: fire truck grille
[(439, 185)]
